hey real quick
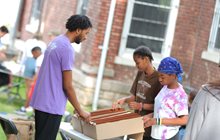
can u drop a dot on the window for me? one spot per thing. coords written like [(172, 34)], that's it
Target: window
[(150, 23), (82, 7), (214, 41), (35, 17), (212, 54)]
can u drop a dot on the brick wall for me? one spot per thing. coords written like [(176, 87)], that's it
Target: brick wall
[(55, 14), (191, 39)]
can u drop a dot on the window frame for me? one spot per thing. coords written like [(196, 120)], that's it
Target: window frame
[(126, 53), (34, 25), (214, 27), (212, 53)]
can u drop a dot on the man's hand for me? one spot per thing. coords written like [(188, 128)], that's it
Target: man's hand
[(84, 115), (135, 106)]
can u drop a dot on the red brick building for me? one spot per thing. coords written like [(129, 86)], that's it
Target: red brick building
[(186, 29)]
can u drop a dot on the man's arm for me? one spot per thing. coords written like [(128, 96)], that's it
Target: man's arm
[(70, 92)]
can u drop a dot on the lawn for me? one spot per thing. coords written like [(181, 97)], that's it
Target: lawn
[(7, 106)]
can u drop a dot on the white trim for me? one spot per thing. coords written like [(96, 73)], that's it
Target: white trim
[(152, 5), (167, 45), (149, 21), (146, 37), (212, 56), (215, 24), (127, 23)]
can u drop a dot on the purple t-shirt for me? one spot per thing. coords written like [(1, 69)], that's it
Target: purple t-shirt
[(48, 95)]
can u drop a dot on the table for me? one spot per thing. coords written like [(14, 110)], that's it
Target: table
[(67, 130), (15, 84)]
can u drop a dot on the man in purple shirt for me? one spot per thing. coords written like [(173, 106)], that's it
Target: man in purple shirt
[(54, 82)]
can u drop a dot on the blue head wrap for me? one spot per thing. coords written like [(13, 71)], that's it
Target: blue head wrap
[(170, 65)]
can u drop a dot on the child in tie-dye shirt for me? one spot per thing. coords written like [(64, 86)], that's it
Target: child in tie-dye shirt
[(171, 103)]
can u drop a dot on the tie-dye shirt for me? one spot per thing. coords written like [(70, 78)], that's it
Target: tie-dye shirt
[(169, 103)]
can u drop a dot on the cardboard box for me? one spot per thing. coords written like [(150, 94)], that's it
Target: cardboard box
[(127, 124), (114, 129), (77, 124), (25, 127)]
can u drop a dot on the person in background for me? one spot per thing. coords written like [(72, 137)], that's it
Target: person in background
[(54, 81), (203, 121), (38, 56), (191, 97), (145, 86), (3, 32), (171, 103), (28, 62)]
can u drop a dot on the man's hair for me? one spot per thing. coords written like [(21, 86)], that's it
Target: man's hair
[(36, 49), (78, 22), (143, 51), (4, 29)]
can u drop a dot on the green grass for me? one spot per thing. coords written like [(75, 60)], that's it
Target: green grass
[(10, 107)]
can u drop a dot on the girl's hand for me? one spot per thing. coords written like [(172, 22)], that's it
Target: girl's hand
[(149, 122), (118, 103), (135, 106)]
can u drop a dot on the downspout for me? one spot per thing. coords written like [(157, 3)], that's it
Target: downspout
[(104, 54)]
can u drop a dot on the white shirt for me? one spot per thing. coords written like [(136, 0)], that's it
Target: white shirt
[(39, 62), (169, 103)]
